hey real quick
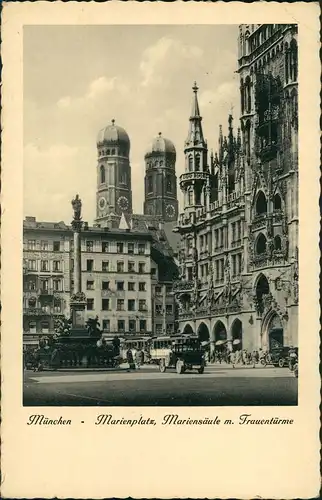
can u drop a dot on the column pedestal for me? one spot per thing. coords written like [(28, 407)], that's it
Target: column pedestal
[(77, 313)]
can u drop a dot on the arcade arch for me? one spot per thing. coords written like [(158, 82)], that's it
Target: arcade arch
[(188, 329), (237, 334), (220, 335), (274, 331), (203, 333)]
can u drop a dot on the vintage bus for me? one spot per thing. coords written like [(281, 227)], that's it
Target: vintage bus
[(142, 343), (182, 352)]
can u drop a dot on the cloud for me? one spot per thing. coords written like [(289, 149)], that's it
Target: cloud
[(168, 52), (224, 94), (98, 89)]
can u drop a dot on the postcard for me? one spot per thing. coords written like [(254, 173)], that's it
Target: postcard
[(159, 295)]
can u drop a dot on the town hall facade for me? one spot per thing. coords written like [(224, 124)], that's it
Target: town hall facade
[(239, 226)]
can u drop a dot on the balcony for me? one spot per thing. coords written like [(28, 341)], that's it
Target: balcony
[(193, 176), (261, 261), (186, 314), (215, 206), (278, 216), (46, 292), (259, 221), (38, 311), (204, 253), (236, 243), (187, 219), (35, 311), (183, 286)]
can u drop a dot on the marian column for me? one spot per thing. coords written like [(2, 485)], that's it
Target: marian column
[(78, 299)]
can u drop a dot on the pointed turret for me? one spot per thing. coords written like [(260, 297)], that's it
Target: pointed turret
[(195, 135), (220, 144), (193, 181)]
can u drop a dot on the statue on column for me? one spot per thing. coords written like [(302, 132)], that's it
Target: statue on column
[(77, 207)]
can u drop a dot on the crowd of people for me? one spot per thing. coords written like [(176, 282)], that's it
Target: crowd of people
[(238, 357), (136, 358)]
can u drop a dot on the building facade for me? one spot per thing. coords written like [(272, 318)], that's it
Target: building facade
[(116, 278), (239, 226), (127, 264)]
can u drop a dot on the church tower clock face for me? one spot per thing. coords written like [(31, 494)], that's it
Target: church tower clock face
[(170, 210), (123, 203), (102, 203)]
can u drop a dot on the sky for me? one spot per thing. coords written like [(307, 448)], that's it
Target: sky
[(78, 78)]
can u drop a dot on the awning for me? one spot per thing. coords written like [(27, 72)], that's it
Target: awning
[(236, 341), (220, 342)]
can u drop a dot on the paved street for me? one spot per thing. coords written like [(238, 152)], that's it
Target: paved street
[(220, 385)]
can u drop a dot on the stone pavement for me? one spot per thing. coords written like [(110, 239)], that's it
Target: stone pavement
[(152, 373)]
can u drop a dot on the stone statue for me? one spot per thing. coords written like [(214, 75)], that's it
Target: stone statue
[(270, 248), (227, 269), (77, 207), (78, 297)]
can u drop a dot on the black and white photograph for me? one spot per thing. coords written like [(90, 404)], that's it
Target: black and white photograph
[(160, 231)]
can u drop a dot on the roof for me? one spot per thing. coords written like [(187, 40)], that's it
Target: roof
[(161, 145), (113, 134)]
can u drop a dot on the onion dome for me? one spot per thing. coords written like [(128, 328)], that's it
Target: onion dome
[(161, 145), (113, 135)]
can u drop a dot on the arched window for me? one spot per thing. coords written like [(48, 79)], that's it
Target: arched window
[(286, 67), (277, 243), (247, 139), (113, 152), (32, 302), (294, 106), (197, 162), (190, 197), (190, 163), (261, 203), (262, 289), (231, 182), (261, 244), (108, 152), (277, 202), (242, 97), (248, 97), (248, 48), (102, 174), (150, 184), (293, 61)]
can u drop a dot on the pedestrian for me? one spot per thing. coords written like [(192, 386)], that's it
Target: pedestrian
[(233, 358), (129, 358), (254, 358), (139, 358)]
